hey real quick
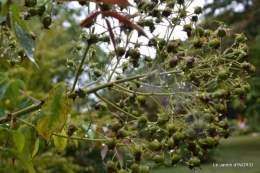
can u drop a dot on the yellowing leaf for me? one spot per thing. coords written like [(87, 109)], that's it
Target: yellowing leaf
[(60, 142), (19, 140), (23, 159), (36, 147), (55, 110)]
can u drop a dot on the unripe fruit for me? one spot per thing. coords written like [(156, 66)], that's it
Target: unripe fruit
[(208, 117), (137, 153), (81, 93), (162, 120), (194, 162), (111, 143), (220, 108), (30, 3), (225, 133), (199, 31), (175, 158), (180, 2), (145, 169), (33, 12), (166, 12), (207, 33), (246, 88), (92, 39), (142, 119), (97, 72), (105, 39), (199, 126), (41, 9), (177, 136), (159, 159), (110, 167), (214, 44), (198, 10), (223, 75), (46, 21), (153, 130), (141, 100), (148, 22), (122, 171), (223, 124), (211, 128), (240, 38), (239, 91), (170, 4), (135, 168), (155, 145), (221, 32), (134, 53), (121, 133)]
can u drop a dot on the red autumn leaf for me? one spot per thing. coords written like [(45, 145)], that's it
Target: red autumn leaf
[(123, 3), (119, 17), (111, 35)]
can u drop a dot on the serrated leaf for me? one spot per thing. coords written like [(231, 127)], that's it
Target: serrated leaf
[(60, 142), (55, 110), (23, 159), (18, 139), (25, 40)]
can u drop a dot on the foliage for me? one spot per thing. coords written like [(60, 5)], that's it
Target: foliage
[(189, 82)]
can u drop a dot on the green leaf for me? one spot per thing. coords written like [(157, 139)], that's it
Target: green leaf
[(12, 91), (23, 159), (2, 113), (55, 110), (33, 143), (60, 142), (18, 139), (3, 89), (25, 40), (2, 19), (3, 128), (36, 147), (20, 83), (14, 10), (2, 75)]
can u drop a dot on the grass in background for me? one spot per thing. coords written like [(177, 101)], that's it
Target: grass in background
[(238, 149)]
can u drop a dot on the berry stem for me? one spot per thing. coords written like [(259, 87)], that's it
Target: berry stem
[(79, 68)]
